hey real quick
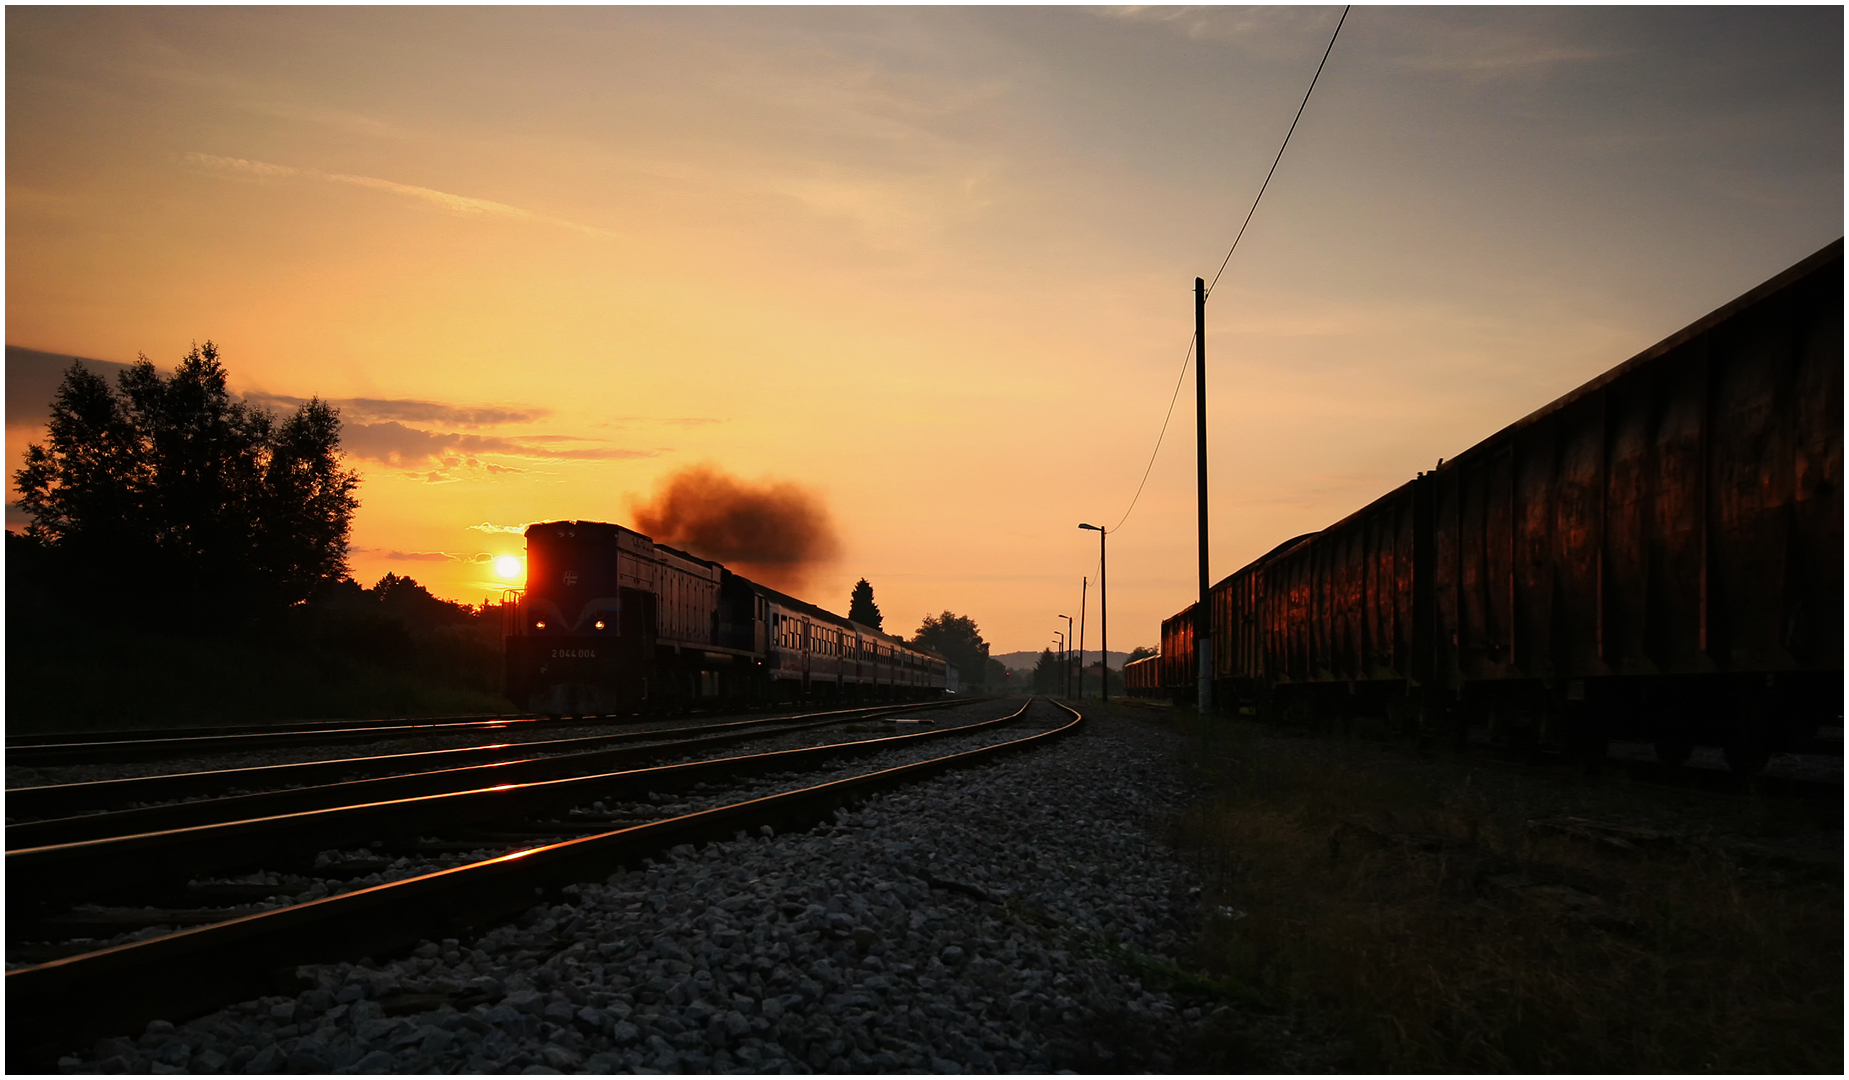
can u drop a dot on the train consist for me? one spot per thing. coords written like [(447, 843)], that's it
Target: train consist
[(613, 622), (1658, 554)]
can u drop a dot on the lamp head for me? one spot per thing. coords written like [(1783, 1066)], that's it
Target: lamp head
[(1093, 528)]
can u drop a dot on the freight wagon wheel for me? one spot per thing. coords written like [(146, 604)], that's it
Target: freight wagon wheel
[(1673, 749), (1591, 742), (1747, 741), (1746, 749)]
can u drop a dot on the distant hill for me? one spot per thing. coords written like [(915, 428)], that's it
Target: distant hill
[(1025, 661)]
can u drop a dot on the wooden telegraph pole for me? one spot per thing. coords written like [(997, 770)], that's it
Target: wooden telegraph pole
[(1203, 625)]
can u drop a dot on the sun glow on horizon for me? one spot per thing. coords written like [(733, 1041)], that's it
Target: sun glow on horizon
[(510, 568)]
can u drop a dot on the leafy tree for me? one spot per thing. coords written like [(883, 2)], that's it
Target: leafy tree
[(861, 607), (169, 489), (1048, 678), (404, 597), (956, 638), (1096, 670), (1138, 653)]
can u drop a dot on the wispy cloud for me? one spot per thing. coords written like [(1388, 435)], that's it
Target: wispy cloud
[(490, 527), (364, 410), (466, 205), (339, 119), (439, 556), (396, 444), (1445, 42), (376, 429), (676, 421)]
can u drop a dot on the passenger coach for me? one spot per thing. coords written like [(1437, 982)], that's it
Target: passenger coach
[(612, 622)]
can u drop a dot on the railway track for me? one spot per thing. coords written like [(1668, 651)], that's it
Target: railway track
[(100, 748), (513, 842), (59, 813)]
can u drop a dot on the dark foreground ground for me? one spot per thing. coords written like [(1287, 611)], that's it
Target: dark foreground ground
[(1434, 912), (1147, 895)]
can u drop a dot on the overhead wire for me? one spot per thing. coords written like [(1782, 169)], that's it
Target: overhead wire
[(1192, 341), (1281, 147), (1176, 396)]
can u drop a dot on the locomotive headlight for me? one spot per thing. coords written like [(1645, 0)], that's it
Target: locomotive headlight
[(599, 624), (540, 625)]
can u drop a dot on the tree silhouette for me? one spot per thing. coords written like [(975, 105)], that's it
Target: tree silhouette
[(860, 606), (1048, 678), (168, 489), (956, 638)]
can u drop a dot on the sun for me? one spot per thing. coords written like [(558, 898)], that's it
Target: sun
[(510, 567)]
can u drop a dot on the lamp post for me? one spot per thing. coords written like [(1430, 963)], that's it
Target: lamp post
[(1104, 637), (1083, 584), (1063, 665), (1060, 639)]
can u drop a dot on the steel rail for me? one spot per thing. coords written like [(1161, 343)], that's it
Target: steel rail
[(59, 1005), (129, 734), (62, 808), (122, 865), (96, 751)]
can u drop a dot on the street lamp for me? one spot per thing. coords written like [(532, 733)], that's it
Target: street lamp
[(1104, 639), (1064, 666), (1060, 637)]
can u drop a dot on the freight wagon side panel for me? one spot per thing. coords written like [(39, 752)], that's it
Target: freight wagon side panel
[(1813, 608), (1681, 515), (1578, 499), (1348, 592), (1624, 585), (1223, 617), (1178, 671), (1758, 363), (1483, 548), (1390, 587), (1675, 543)]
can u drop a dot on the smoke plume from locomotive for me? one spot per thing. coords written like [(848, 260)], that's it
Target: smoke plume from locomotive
[(775, 532)]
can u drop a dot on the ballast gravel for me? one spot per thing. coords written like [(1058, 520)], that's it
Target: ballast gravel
[(989, 920)]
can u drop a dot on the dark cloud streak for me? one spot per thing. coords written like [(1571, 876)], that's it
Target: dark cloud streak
[(33, 377), (415, 411), (396, 444)]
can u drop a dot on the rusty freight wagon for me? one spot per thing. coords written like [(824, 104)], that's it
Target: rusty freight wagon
[(1143, 677), (1658, 553)]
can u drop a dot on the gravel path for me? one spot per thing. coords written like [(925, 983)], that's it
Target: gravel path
[(967, 923)]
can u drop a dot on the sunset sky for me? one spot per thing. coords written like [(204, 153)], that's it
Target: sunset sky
[(934, 265)]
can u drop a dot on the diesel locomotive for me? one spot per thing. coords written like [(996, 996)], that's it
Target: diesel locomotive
[(1658, 554), (612, 622)]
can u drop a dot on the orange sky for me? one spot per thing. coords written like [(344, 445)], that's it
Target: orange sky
[(934, 264)]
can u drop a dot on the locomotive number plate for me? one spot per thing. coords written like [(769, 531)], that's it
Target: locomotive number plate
[(574, 654)]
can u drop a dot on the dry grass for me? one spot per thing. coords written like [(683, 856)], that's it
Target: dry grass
[(1415, 905)]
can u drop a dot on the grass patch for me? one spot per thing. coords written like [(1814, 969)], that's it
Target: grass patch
[(1428, 909)]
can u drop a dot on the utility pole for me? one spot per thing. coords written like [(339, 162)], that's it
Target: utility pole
[(1065, 664), (1203, 625), (1083, 583), (1104, 627)]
